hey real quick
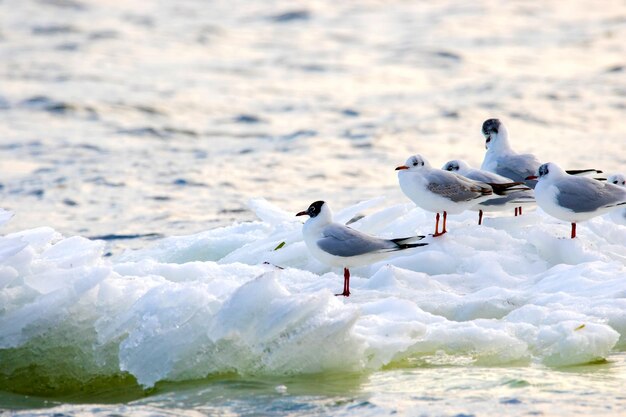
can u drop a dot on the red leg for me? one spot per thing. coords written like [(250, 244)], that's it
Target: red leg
[(443, 229), (436, 226), (480, 217), (516, 211), (573, 230), (520, 211), (346, 283)]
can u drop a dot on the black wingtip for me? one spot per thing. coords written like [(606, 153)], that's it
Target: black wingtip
[(400, 240), (507, 188), (584, 171), (411, 245)]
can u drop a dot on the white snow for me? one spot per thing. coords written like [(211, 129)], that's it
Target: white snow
[(513, 291)]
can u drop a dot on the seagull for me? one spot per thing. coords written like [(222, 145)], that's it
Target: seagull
[(619, 215), (574, 199), (501, 159), (443, 191), (338, 245), (515, 199)]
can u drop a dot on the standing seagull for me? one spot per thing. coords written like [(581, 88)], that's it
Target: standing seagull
[(443, 191), (338, 245), (619, 215), (574, 199), (514, 199), (503, 160)]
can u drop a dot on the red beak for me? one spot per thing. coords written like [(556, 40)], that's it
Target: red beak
[(531, 177), (302, 213), (401, 167)]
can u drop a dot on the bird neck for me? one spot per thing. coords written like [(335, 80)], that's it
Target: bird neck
[(500, 144)]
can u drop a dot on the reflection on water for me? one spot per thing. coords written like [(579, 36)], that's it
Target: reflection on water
[(592, 389)]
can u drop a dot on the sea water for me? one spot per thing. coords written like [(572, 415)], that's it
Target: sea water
[(193, 131), (451, 390), (147, 118)]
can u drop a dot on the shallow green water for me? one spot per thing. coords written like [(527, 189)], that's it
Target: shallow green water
[(594, 389)]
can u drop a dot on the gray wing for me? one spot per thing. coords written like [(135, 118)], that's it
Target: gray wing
[(340, 240), (486, 176), (516, 197), (585, 194), (455, 187), (518, 167)]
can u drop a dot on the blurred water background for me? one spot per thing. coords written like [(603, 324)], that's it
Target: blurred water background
[(145, 118), (153, 117)]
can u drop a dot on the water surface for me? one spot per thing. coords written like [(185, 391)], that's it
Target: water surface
[(411, 389)]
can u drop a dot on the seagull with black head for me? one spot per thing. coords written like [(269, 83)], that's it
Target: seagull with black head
[(338, 245), (575, 199), (503, 160)]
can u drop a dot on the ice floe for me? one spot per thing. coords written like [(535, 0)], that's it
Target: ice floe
[(515, 290)]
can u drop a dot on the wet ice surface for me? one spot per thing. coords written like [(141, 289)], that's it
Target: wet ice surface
[(143, 117), (135, 121)]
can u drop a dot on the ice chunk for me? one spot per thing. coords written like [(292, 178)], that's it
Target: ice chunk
[(181, 330), (563, 337), (270, 213), (5, 216), (10, 247), (38, 238), (74, 251), (44, 312), (205, 246), (218, 301)]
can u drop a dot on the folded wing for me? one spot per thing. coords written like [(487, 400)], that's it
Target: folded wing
[(340, 240), (584, 195)]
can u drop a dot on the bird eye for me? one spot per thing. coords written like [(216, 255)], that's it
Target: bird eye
[(415, 163), (615, 182)]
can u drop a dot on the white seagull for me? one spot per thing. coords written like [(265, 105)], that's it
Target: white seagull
[(619, 215), (443, 191), (574, 199), (514, 199), (338, 245), (503, 160)]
